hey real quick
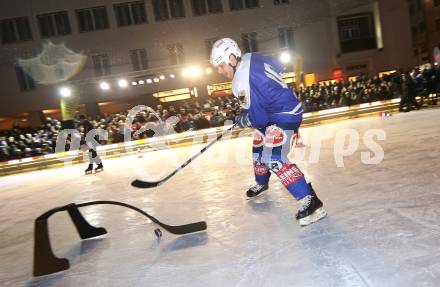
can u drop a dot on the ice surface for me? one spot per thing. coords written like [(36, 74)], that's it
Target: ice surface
[(383, 227)]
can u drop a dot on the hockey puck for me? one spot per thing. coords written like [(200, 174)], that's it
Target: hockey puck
[(158, 233)]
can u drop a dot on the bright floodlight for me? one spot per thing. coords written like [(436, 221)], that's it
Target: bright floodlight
[(156, 80), (196, 71), (65, 92), (162, 77), (134, 83), (285, 57), (208, 71), (185, 72), (104, 86), (122, 83), (149, 81), (172, 76), (141, 82)]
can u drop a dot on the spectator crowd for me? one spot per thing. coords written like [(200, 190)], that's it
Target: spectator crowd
[(194, 115)]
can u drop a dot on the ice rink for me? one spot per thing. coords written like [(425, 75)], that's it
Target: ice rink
[(383, 227)]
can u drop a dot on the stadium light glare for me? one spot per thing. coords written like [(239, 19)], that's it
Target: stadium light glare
[(185, 73), (196, 72), (104, 86), (285, 57), (141, 82), (156, 80), (172, 76), (134, 83), (149, 81), (122, 83), (162, 77), (65, 92), (208, 71)]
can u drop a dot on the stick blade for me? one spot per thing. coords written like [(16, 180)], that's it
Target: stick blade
[(187, 228), (144, 184)]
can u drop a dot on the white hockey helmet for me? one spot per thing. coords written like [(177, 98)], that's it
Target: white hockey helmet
[(222, 49)]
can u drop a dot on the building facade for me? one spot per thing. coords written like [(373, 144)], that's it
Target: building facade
[(150, 43), (425, 28)]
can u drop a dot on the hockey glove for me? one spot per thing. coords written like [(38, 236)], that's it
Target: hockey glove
[(242, 120)]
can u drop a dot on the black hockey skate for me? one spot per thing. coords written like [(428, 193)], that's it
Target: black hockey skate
[(256, 190), (89, 170), (99, 168), (311, 209)]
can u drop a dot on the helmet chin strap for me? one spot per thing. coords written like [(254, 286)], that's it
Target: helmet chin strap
[(235, 67)]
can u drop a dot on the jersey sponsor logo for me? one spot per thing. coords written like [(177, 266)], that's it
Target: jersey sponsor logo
[(260, 169), (275, 136), (289, 174), (258, 139)]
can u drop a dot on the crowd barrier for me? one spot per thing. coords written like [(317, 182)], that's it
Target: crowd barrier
[(181, 139)]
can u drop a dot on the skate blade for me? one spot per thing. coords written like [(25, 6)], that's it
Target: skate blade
[(256, 196), (320, 213)]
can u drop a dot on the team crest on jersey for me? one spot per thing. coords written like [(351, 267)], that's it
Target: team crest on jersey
[(275, 136), (258, 139)]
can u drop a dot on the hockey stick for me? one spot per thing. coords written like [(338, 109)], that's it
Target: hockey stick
[(174, 229), (148, 184), (46, 262)]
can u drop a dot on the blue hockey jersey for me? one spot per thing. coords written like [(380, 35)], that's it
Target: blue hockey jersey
[(261, 90)]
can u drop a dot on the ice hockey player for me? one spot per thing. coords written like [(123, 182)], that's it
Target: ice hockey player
[(89, 146), (274, 111)]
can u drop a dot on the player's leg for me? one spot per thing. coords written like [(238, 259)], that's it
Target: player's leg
[(279, 141), (97, 159), (261, 171), (85, 148)]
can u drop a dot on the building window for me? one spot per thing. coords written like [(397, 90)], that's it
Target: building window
[(91, 19), (285, 36), (101, 65), (203, 7), (168, 9), (414, 31), (419, 5), (208, 44), (437, 24), (25, 82), (242, 4), (249, 42), (176, 54), (139, 59), (130, 13), (15, 30), (356, 33), (278, 2), (422, 27), (54, 24), (412, 11)]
